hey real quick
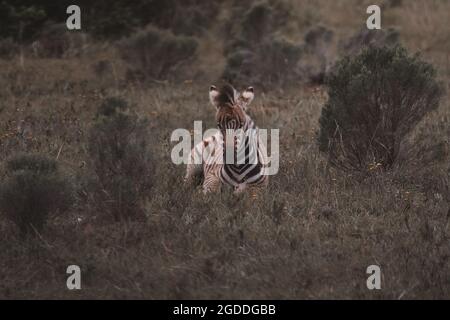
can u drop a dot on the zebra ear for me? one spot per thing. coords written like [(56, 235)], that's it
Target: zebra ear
[(248, 95), (213, 95)]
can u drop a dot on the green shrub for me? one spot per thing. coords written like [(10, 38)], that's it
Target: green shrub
[(33, 189), (375, 100), (152, 53), (119, 147)]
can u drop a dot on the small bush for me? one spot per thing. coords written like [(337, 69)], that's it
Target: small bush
[(317, 54), (155, 54), (53, 41), (19, 20), (119, 147), (33, 189), (113, 20), (271, 62), (256, 52), (257, 22), (375, 99), (112, 107), (102, 68), (192, 17), (369, 38), (105, 19), (320, 53)]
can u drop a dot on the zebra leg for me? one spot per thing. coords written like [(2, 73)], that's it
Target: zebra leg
[(194, 170), (212, 183), (239, 189)]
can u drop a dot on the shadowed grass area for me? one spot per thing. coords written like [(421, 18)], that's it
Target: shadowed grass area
[(312, 234)]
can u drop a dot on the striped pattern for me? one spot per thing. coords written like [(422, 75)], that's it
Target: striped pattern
[(234, 155)]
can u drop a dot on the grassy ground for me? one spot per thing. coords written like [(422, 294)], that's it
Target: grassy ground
[(312, 234)]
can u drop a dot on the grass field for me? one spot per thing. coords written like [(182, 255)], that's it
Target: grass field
[(311, 234)]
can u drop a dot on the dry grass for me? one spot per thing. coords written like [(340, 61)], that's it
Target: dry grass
[(312, 234)]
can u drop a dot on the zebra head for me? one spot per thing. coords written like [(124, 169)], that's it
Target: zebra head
[(231, 106), (232, 120)]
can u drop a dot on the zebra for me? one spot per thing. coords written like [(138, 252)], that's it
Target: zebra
[(248, 156)]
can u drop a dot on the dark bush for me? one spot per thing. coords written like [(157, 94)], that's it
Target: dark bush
[(320, 53), (256, 53), (257, 22), (54, 41), (8, 48), (314, 37), (154, 54), (271, 62), (34, 163), (113, 20), (262, 18), (102, 68), (119, 147), (192, 17), (375, 99), (316, 54), (111, 107), (394, 3), (23, 19), (369, 38), (34, 188), (20, 19)]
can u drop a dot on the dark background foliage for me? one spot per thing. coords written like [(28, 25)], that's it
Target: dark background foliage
[(33, 189), (22, 19)]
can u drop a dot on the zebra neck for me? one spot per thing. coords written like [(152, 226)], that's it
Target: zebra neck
[(245, 165)]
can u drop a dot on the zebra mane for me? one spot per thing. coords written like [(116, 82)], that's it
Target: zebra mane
[(227, 95)]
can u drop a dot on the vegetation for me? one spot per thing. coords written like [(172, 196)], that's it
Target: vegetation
[(153, 53), (258, 54), (369, 38), (137, 232), (22, 19), (33, 190), (375, 100), (119, 149)]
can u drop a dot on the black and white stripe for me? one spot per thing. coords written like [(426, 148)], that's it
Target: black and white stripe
[(249, 157)]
